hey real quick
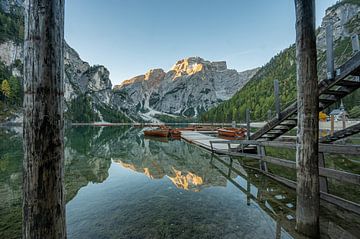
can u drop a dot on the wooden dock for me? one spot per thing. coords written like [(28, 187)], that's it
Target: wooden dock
[(256, 150), (203, 140)]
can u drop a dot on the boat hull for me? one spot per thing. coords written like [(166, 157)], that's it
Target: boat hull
[(156, 133)]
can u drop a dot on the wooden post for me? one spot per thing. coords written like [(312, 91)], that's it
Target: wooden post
[(278, 230), (343, 118), (262, 154), (322, 179), (330, 51), (248, 128), (43, 167), (269, 115), (332, 124), (308, 195), (277, 98)]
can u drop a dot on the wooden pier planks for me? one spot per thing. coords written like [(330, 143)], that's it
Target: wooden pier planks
[(203, 140)]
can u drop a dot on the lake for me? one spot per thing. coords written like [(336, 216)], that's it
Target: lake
[(119, 184)]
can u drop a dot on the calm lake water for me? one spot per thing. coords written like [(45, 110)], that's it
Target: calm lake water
[(120, 185)]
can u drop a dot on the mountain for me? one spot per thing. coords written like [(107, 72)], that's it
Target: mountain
[(258, 94), (191, 87), (88, 89)]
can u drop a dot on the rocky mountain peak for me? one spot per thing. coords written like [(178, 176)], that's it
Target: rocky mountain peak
[(154, 75), (193, 65)]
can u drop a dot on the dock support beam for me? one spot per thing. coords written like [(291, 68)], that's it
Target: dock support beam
[(43, 166), (308, 194)]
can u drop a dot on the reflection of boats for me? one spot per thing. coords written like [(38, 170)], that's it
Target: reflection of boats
[(157, 132), (232, 132), (157, 139)]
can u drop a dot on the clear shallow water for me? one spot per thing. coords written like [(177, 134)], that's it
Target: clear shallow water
[(120, 185)]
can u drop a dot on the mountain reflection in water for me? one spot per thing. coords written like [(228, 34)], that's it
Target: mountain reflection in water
[(119, 184)]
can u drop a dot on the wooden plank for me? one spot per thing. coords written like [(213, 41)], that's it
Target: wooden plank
[(340, 175)]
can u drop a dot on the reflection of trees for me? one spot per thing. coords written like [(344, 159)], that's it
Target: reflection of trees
[(11, 155), (86, 160), (87, 155)]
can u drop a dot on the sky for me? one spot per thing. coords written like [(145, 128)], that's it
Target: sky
[(129, 37)]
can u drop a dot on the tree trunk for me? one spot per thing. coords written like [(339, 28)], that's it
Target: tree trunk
[(43, 190), (308, 197)]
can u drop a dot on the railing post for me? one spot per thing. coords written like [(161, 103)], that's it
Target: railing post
[(277, 97), (322, 180), (330, 51), (332, 125), (269, 115), (248, 123)]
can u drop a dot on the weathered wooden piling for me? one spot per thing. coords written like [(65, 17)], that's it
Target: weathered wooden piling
[(308, 195), (43, 171)]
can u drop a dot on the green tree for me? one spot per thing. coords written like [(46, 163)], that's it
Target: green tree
[(5, 88), (16, 92)]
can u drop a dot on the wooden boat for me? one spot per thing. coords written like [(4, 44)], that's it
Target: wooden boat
[(157, 132), (175, 133), (232, 132)]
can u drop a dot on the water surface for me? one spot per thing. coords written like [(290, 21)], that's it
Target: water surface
[(120, 185)]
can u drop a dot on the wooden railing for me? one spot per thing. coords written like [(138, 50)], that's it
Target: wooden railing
[(325, 173)]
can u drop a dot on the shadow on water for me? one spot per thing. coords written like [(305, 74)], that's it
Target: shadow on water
[(120, 185)]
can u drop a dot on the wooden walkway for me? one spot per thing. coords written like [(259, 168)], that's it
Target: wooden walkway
[(203, 139)]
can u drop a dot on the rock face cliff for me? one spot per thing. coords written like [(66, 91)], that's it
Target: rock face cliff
[(88, 89), (192, 86)]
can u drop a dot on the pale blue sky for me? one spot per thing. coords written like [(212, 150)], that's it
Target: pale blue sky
[(130, 37)]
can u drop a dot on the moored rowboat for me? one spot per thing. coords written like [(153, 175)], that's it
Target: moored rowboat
[(157, 132), (232, 132)]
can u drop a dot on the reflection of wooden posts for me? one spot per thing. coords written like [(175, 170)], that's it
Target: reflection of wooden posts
[(278, 230), (308, 195), (322, 180), (43, 167), (332, 125), (355, 43), (330, 51), (277, 97), (230, 166), (248, 189), (248, 123), (261, 153)]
